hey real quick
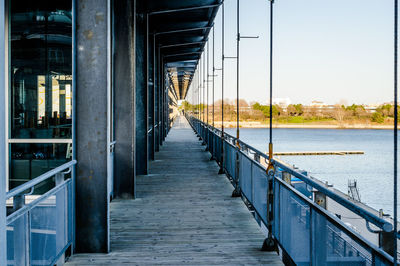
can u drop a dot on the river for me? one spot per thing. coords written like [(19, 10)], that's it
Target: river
[(372, 170)]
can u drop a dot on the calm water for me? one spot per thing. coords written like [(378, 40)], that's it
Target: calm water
[(373, 170)]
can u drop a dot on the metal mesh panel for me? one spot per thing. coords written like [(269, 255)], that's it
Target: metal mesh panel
[(41, 234), (230, 161), (333, 246), (214, 144), (210, 140), (294, 224), (218, 146), (16, 240), (260, 189), (245, 176)]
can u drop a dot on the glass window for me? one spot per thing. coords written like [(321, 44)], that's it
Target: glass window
[(40, 94)]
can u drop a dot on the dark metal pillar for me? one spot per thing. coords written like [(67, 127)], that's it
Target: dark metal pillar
[(163, 109), (160, 88), (141, 91), (156, 95), (92, 200), (151, 92), (165, 89), (124, 85)]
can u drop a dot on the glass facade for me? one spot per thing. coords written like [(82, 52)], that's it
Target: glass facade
[(40, 87)]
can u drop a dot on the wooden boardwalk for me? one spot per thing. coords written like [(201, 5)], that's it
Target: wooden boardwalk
[(184, 215)]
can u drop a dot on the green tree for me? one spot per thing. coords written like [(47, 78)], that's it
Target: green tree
[(377, 117), (276, 110)]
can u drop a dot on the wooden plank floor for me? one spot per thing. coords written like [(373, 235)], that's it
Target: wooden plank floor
[(184, 214)]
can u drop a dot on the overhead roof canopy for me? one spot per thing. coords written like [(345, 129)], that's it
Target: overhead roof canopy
[(181, 30)]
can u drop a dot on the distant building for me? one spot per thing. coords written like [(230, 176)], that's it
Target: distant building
[(371, 107), (318, 104), (283, 102)]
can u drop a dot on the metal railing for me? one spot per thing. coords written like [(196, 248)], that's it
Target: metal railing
[(304, 230), (40, 228)]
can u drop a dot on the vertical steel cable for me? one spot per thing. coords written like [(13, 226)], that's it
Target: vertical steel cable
[(237, 71), (208, 68), (221, 169), (270, 73), (395, 132), (213, 76), (222, 71), (202, 91), (200, 88), (204, 85)]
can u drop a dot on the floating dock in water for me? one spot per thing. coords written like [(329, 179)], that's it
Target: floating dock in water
[(296, 153)]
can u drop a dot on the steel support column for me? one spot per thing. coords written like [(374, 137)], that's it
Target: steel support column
[(166, 100), (92, 200), (162, 95), (151, 92), (124, 84), (161, 99), (156, 52), (141, 92)]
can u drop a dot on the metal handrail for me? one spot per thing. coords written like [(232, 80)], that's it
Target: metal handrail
[(256, 151), (28, 185), (381, 223), (18, 213), (336, 222), (370, 217), (282, 167)]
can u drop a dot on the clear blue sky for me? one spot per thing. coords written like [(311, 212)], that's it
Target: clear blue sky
[(332, 51)]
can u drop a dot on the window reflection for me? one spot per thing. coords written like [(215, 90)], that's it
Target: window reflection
[(40, 98), (31, 160), (41, 68)]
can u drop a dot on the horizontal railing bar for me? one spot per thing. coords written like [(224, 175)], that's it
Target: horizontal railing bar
[(18, 213), (18, 190), (381, 223), (41, 141), (253, 161)]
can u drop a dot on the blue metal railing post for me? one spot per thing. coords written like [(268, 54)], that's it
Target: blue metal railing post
[(21, 233), (62, 214)]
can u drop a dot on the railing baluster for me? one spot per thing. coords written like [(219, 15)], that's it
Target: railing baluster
[(61, 218), (21, 234)]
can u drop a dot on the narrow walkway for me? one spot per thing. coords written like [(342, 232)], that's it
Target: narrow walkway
[(184, 214)]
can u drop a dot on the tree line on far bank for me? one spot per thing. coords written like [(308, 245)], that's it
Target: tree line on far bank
[(296, 113)]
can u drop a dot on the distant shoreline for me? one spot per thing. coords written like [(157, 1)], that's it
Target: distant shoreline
[(254, 124)]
